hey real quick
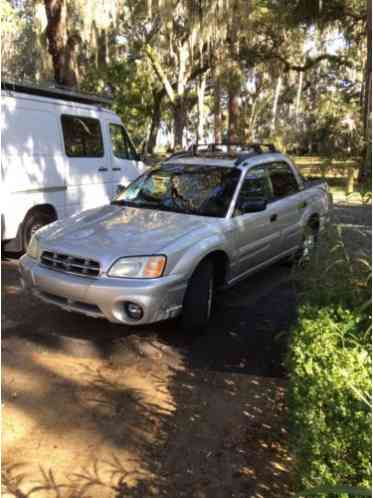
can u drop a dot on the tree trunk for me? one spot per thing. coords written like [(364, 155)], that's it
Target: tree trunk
[(70, 73), (235, 84), (365, 172), (56, 35), (299, 95), (217, 113), (233, 113), (253, 126), (200, 106), (61, 46), (275, 104), (156, 120), (102, 49), (44, 66), (179, 122), (252, 121), (368, 72)]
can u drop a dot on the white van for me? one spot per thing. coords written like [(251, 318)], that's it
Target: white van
[(62, 152)]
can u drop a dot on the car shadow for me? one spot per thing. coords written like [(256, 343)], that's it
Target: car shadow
[(246, 334), (249, 337)]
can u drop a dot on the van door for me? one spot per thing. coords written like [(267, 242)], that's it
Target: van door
[(124, 159), (88, 171)]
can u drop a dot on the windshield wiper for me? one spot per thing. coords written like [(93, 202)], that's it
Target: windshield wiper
[(139, 204)]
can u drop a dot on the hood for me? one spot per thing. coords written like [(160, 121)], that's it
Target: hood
[(110, 232)]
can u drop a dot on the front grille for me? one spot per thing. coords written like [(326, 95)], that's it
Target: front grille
[(70, 264)]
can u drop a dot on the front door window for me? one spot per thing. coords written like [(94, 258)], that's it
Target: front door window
[(122, 146)]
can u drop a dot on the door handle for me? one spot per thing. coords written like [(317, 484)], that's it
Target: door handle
[(116, 169), (102, 169), (273, 218)]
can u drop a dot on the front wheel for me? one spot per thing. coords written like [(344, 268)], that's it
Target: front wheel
[(198, 299), (32, 223)]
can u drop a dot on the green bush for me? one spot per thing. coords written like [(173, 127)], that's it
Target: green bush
[(329, 366), (329, 399)]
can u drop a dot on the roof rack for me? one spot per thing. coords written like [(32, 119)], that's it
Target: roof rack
[(225, 150), (55, 91)]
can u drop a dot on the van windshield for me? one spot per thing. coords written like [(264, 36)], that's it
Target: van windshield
[(200, 190)]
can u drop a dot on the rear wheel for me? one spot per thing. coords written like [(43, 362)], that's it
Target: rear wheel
[(198, 299), (307, 249), (32, 223), (309, 245)]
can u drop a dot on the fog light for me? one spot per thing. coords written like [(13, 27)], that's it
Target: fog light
[(134, 311)]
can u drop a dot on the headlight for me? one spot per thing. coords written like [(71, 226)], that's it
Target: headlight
[(138, 267), (33, 249)]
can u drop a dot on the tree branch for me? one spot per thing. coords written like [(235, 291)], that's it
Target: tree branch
[(310, 62), (153, 57), (198, 71)]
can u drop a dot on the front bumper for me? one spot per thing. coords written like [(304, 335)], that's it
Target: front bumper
[(104, 297)]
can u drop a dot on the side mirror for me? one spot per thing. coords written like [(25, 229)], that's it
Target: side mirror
[(253, 205)]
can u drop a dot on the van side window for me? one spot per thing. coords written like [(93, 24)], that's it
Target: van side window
[(283, 180), (122, 147), (82, 136)]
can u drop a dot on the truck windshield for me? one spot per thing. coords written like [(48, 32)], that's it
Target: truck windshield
[(200, 190)]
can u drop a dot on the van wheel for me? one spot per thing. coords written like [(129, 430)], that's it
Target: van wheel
[(198, 299), (32, 223)]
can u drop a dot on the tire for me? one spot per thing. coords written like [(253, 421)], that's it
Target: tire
[(198, 299), (306, 251), (309, 245), (32, 223)]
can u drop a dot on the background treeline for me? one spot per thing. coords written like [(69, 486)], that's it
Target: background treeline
[(296, 73)]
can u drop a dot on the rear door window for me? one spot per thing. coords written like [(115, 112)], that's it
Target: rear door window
[(282, 179), (122, 146), (82, 136)]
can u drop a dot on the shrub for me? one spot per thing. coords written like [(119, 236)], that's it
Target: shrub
[(329, 399), (329, 365)]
